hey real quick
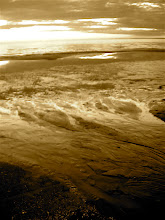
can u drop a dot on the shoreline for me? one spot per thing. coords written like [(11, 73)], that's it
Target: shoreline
[(56, 55), (22, 63)]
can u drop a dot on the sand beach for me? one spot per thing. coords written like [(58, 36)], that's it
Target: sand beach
[(83, 137)]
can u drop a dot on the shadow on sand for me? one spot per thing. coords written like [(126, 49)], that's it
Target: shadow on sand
[(23, 196)]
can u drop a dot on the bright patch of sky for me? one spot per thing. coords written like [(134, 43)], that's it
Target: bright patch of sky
[(96, 26), (49, 33), (44, 28), (31, 22)]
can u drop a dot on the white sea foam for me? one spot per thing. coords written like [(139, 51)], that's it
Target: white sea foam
[(5, 110)]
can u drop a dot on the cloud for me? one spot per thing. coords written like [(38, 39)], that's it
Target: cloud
[(136, 29), (146, 5), (103, 16), (102, 21)]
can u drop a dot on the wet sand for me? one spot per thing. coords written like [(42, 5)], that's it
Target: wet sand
[(27, 195), (93, 129)]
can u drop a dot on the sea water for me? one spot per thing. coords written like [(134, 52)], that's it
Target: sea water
[(56, 46)]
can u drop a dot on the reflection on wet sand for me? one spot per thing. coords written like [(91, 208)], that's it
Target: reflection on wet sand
[(3, 62), (91, 127), (102, 56)]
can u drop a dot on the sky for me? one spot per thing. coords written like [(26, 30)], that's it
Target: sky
[(81, 19)]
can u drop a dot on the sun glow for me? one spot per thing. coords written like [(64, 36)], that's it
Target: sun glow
[(49, 32), (38, 33)]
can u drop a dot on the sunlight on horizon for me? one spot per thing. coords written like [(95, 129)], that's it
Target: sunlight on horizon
[(96, 28), (50, 33)]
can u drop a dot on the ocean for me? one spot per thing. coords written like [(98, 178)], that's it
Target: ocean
[(90, 114), (41, 47)]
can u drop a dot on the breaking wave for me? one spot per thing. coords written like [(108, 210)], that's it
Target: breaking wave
[(94, 113)]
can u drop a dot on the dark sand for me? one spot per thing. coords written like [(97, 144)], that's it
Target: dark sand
[(28, 196)]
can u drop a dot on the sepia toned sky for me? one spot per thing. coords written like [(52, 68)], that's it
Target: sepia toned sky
[(49, 19)]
